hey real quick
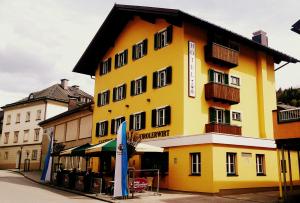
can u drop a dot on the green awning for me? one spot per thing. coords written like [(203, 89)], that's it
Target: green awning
[(80, 151)]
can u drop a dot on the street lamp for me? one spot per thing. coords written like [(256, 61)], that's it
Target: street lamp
[(296, 27), (20, 158)]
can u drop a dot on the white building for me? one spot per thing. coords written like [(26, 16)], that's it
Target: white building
[(21, 139)]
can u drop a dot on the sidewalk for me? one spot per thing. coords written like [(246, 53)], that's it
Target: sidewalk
[(168, 196)]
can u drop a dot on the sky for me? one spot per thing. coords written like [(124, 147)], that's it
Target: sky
[(42, 40)]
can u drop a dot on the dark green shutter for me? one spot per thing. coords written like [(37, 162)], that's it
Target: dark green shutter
[(226, 82), (97, 129), (133, 52), (114, 93), (124, 91), (168, 115), (145, 45), (155, 41), (132, 84), (125, 56), (116, 61), (109, 64), (169, 34), (211, 75), (143, 120), (154, 82), (112, 126), (144, 84), (107, 98), (153, 123), (101, 68), (169, 75), (98, 102), (227, 116), (212, 115), (130, 122)]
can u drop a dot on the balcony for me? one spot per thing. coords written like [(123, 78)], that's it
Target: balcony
[(222, 93), (223, 128), (221, 55), (289, 115)]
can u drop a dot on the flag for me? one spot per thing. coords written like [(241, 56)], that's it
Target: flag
[(121, 165), (46, 174)]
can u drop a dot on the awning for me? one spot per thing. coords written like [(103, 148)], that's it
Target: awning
[(110, 146), (80, 151), (67, 152)]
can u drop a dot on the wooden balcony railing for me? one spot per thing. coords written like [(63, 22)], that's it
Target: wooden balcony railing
[(222, 93), (223, 128), (221, 55)]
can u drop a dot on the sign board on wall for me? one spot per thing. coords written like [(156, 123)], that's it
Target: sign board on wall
[(192, 69)]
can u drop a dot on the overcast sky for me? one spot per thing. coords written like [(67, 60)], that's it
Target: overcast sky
[(42, 40)]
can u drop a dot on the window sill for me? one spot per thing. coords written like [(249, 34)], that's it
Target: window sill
[(38, 119), (232, 175), (27, 121), (25, 140), (17, 122), (260, 174), (195, 174)]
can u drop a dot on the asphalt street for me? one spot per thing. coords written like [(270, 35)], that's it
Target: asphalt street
[(14, 188)]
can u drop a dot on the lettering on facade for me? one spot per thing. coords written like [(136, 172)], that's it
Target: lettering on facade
[(192, 69), (158, 134)]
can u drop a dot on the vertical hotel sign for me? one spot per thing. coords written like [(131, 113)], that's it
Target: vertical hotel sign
[(192, 69)]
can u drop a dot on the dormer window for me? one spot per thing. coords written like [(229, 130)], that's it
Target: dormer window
[(31, 96)]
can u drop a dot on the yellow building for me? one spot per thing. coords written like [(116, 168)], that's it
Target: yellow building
[(202, 92)]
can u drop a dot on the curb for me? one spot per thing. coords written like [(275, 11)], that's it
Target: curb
[(60, 188)]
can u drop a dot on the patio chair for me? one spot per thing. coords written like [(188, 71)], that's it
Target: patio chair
[(149, 182)]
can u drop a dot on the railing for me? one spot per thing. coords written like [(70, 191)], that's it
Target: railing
[(222, 93), (289, 115), (221, 54), (223, 128)]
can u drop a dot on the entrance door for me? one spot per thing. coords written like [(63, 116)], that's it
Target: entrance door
[(18, 159)]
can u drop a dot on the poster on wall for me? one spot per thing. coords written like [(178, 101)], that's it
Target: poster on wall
[(192, 69)]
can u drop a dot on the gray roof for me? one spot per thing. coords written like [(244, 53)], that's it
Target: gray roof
[(55, 92), (282, 106)]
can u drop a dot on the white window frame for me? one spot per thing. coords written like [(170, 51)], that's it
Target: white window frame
[(103, 97), (219, 77), (260, 164), (137, 121), (37, 134), (8, 119), (138, 86), (104, 67), (235, 84), (102, 128), (162, 38), (119, 92), (27, 116), (34, 154), (118, 122), (18, 118), (16, 136), (220, 116), (6, 138), (162, 78), (161, 117), (195, 161), (231, 162), (234, 116), (38, 114), (139, 47), (121, 59)]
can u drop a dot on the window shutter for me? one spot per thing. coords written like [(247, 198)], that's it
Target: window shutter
[(101, 68), (145, 46), (169, 75), (106, 128), (107, 98), (153, 123), (169, 34), (143, 124), (133, 52), (155, 41), (97, 129), (226, 79), (144, 84), (212, 115), (125, 56), (116, 61), (168, 115), (109, 64), (154, 84), (112, 126), (114, 93), (227, 116), (124, 91), (98, 102), (132, 88), (131, 122), (211, 75)]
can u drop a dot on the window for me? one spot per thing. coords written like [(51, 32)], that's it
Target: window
[(235, 81), (34, 154), (105, 66), (26, 134), (163, 38), (231, 163), (18, 118), (8, 119), (36, 134), (38, 114), (119, 93), (27, 117), (162, 78), (115, 123), (236, 116), (16, 136), (161, 116), (103, 98), (102, 128), (6, 137), (121, 59), (218, 77), (138, 86), (195, 163), (219, 116), (139, 50), (137, 121), (5, 155), (260, 164)]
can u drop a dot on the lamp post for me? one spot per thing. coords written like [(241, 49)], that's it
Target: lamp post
[(296, 27), (20, 158)]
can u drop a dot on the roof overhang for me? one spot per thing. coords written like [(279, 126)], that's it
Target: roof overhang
[(296, 27), (120, 15)]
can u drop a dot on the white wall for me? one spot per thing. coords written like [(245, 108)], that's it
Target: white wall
[(55, 108)]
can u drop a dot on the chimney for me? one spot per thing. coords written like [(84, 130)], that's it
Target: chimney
[(64, 83), (72, 103), (260, 37)]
